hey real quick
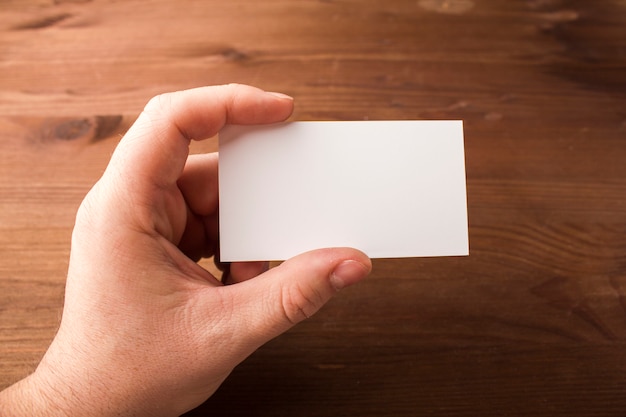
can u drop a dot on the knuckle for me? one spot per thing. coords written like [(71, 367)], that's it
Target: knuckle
[(159, 104), (298, 304), (162, 113)]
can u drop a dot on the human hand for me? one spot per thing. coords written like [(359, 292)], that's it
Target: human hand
[(146, 330)]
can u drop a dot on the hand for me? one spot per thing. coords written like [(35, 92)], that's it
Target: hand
[(145, 329)]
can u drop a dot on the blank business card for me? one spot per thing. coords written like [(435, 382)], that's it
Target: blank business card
[(389, 188)]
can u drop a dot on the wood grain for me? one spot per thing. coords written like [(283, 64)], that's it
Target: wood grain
[(533, 322)]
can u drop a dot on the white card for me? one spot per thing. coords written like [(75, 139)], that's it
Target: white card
[(389, 188)]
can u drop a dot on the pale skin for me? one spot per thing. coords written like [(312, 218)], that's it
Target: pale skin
[(145, 330)]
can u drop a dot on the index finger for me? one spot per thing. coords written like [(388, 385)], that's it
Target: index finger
[(154, 150)]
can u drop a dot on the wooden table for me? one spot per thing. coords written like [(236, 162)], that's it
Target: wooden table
[(533, 322)]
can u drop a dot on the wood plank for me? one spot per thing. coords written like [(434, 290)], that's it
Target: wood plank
[(532, 323)]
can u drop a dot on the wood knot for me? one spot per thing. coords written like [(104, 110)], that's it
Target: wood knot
[(232, 54), (493, 116), (447, 6), (91, 129), (43, 22), (72, 129)]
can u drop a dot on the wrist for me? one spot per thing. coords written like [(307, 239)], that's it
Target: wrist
[(51, 392), (32, 396)]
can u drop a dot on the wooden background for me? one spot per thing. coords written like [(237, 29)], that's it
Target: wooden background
[(533, 322)]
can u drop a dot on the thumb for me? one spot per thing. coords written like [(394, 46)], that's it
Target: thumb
[(273, 302)]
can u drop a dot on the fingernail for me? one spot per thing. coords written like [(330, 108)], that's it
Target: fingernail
[(348, 273), (280, 95)]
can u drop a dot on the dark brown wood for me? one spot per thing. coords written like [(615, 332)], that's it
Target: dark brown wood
[(533, 322)]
